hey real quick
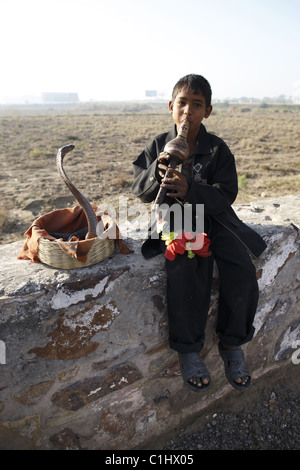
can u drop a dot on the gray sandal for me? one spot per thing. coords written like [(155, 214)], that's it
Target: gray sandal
[(235, 367), (192, 365)]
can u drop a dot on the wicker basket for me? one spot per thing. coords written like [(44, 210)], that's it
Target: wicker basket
[(50, 253)]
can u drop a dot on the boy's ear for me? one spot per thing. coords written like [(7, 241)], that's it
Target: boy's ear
[(171, 106), (208, 111)]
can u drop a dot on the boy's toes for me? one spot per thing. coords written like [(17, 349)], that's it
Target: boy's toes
[(199, 381)]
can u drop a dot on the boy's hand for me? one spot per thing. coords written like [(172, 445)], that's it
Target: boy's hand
[(176, 183), (162, 164)]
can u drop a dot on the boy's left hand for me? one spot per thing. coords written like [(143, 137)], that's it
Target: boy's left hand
[(177, 183)]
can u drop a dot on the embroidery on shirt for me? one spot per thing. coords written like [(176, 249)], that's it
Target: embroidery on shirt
[(197, 173)]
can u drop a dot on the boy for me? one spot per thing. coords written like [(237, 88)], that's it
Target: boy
[(207, 177)]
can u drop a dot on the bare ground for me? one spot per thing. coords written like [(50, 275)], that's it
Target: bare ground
[(266, 417)]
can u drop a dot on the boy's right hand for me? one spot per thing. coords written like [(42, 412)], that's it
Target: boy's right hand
[(162, 165), (175, 182)]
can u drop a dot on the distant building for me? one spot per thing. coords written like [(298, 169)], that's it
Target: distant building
[(60, 97), (151, 93)]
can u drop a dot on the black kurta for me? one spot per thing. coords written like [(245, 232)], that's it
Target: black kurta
[(217, 189), (212, 178)]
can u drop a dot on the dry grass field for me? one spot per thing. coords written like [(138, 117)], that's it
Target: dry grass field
[(264, 139)]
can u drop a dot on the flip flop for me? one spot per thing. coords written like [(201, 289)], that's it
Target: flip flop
[(192, 365), (235, 367)]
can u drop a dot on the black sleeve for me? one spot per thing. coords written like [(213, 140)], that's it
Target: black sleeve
[(146, 181)]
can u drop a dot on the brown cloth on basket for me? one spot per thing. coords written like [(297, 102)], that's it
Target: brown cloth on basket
[(68, 221)]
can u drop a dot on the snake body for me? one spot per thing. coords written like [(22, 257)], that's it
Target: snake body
[(81, 199)]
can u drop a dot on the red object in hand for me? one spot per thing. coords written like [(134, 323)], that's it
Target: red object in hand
[(198, 244)]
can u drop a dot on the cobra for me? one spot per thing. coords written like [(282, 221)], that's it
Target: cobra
[(81, 199)]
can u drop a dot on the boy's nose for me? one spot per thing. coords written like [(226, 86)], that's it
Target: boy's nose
[(187, 109)]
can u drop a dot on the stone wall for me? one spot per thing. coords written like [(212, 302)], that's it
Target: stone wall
[(86, 363)]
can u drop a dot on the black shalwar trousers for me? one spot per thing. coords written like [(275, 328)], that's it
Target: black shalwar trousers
[(189, 284)]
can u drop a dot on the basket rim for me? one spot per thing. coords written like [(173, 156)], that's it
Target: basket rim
[(51, 253)]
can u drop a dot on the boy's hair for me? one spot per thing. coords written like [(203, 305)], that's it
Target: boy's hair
[(194, 83)]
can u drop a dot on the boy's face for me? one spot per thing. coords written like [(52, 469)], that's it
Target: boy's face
[(191, 106)]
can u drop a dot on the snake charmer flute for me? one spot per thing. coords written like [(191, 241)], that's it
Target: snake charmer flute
[(178, 150)]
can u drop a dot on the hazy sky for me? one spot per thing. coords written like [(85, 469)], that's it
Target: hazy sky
[(116, 49)]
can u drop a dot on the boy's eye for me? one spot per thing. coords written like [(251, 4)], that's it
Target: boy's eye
[(183, 103)]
